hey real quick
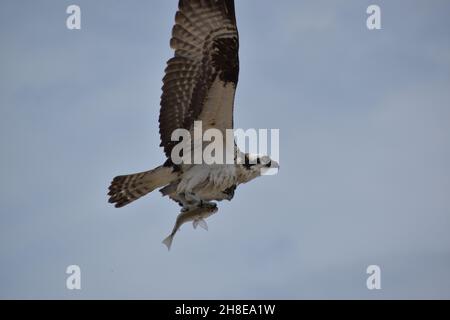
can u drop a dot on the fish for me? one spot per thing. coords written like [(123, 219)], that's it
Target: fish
[(197, 215)]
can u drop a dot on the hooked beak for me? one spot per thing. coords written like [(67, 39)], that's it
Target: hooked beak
[(271, 169)]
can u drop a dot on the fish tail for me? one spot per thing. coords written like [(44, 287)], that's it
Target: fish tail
[(168, 241)]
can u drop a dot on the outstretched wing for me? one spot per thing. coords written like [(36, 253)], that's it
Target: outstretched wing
[(200, 80)]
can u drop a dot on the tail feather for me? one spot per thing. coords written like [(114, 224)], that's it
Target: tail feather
[(126, 189)]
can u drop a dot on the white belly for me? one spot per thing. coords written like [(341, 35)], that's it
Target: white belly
[(208, 181)]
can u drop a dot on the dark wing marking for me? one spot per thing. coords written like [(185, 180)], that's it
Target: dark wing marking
[(206, 44)]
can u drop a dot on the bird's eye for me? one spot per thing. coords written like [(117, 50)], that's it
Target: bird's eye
[(258, 161), (269, 164)]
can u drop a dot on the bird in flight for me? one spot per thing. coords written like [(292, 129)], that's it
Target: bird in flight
[(199, 86)]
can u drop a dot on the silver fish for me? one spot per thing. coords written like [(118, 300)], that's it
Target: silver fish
[(196, 215)]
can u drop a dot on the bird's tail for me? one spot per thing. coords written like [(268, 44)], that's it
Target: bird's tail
[(126, 189)]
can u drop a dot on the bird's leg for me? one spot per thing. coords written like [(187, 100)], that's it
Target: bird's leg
[(192, 197), (184, 202), (209, 204), (193, 201)]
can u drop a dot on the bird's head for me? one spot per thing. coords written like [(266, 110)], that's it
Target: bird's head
[(254, 165)]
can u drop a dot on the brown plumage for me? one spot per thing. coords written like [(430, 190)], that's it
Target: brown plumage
[(196, 86), (126, 189), (206, 44)]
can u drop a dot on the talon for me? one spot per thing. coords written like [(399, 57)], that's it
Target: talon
[(209, 205), (230, 192)]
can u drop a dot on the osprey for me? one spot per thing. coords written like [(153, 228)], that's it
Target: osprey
[(199, 85)]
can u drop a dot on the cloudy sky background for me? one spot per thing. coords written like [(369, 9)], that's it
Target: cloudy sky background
[(365, 153)]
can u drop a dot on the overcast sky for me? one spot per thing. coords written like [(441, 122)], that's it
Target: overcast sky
[(365, 153)]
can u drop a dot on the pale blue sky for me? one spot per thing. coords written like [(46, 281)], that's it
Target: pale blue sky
[(365, 152)]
